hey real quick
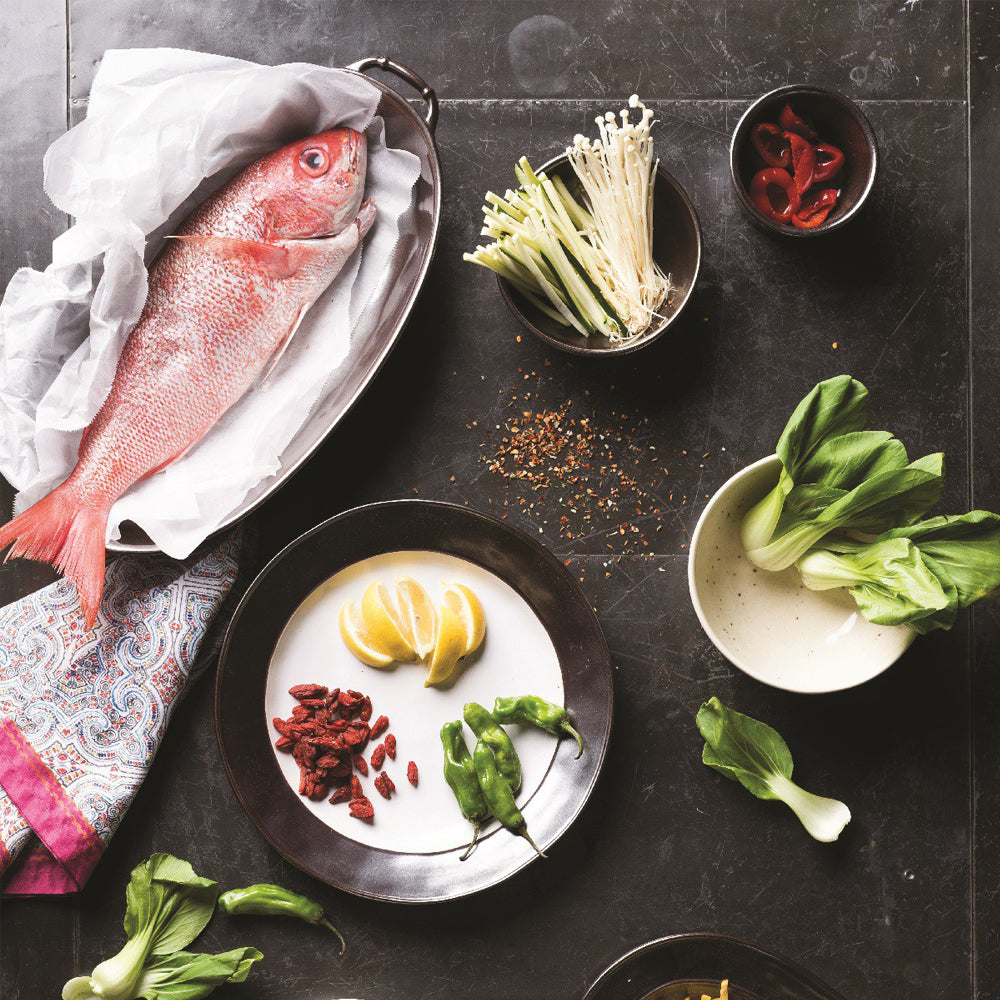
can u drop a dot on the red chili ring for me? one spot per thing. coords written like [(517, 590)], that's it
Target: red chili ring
[(771, 145), (815, 208), (791, 122), (829, 167), (803, 161), (760, 194)]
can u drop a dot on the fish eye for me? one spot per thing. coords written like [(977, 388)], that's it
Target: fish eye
[(314, 161)]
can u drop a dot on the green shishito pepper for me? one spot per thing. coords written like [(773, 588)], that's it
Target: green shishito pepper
[(530, 710), (269, 900), (495, 737), (460, 773), (496, 790)]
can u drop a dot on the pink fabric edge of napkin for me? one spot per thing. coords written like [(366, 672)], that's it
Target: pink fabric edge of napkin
[(72, 845)]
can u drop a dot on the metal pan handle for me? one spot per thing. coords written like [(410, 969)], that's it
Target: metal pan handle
[(407, 74)]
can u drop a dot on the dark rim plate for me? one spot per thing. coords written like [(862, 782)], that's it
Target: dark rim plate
[(693, 960), (284, 584)]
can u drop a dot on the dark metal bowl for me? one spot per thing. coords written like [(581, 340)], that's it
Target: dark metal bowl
[(838, 120), (676, 248), (688, 965)]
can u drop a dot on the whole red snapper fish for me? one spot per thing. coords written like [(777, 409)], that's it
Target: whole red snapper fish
[(225, 297)]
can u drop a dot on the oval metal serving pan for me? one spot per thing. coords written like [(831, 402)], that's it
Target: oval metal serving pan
[(380, 325)]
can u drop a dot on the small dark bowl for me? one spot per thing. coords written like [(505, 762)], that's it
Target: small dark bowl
[(676, 248), (688, 965), (839, 121)]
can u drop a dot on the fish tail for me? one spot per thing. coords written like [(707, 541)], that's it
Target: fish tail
[(69, 535)]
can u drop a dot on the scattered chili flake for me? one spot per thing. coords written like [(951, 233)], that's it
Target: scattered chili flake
[(411, 773), (390, 746), (378, 757)]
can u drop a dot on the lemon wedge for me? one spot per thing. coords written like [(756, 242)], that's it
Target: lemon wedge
[(384, 624), (449, 647), (358, 639), (419, 617), (464, 603)]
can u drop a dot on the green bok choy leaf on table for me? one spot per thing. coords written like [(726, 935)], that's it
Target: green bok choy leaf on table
[(846, 510), (167, 907), (752, 753)]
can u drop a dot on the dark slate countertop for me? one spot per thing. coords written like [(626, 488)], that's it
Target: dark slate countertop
[(905, 299)]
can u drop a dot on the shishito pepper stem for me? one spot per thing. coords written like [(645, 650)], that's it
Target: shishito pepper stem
[(265, 899), (476, 827), (498, 794)]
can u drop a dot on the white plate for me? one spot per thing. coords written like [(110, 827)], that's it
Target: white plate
[(768, 624), (517, 657)]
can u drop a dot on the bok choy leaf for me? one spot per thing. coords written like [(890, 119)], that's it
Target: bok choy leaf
[(920, 575), (752, 753), (167, 907)]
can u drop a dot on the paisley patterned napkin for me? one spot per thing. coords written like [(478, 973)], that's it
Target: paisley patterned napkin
[(82, 712)]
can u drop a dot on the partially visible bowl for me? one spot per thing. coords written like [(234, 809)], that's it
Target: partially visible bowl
[(839, 121), (769, 625), (676, 248), (688, 965)]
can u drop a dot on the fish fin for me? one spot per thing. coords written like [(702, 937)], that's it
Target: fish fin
[(60, 531), (273, 260), (285, 341)]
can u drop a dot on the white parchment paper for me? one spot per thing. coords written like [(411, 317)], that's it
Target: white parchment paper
[(164, 129)]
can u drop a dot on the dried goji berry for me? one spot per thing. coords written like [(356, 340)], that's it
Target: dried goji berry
[(361, 764), (341, 770), (390, 746), (378, 757), (366, 709), (357, 792), (333, 697), (301, 691), (301, 712), (385, 785), (315, 703), (342, 794), (362, 809), (281, 726), (337, 725), (352, 737), (318, 792), (327, 761), (285, 743), (303, 780), (379, 726), (411, 773)]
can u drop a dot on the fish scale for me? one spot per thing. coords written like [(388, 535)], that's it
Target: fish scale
[(225, 296)]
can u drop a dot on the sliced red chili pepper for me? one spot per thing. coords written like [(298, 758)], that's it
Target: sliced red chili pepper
[(771, 145), (773, 193), (791, 122), (803, 161), (829, 161), (815, 207)]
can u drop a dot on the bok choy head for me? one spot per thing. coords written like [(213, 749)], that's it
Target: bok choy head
[(836, 406), (752, 753), (919, 575), (167, 907)]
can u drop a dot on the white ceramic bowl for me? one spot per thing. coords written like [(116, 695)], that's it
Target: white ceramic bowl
[(768, 624)]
